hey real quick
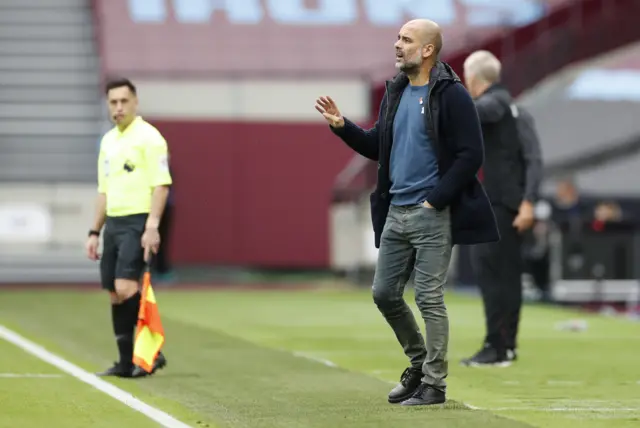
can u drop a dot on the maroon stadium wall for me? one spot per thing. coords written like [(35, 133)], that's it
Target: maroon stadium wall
[(252, 194)]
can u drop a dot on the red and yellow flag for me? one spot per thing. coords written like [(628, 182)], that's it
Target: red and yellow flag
[(150, 334)]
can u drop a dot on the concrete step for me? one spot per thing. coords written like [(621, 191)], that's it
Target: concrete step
[(88, 128), (38, 264), (72, 47), (34, 274), (43, 254), (48, 144), (43, 153), (46, 32), (75, 63), (83, 172), (63, 161), (60, 160), (76, 111), (73, 79), (43, 15), (29, 94), (47, 4)]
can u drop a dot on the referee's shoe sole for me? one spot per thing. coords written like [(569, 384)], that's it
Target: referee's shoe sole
[(160, 363)]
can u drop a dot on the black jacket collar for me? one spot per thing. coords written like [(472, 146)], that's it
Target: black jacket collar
[(496, 87), (439, 73)]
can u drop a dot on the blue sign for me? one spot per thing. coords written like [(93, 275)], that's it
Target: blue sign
[(382, 13), (606, 85)]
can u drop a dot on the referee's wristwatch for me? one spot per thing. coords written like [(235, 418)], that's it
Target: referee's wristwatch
[(94, 233)]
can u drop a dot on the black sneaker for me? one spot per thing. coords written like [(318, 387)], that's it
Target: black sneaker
[(487, 356), (118, 369), (409, 382), (512, 354), (426, 395), (160, 363)]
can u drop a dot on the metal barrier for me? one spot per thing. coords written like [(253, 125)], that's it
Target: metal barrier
[(595, 266)]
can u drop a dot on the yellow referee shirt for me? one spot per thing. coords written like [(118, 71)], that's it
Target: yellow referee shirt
[(130, 165)]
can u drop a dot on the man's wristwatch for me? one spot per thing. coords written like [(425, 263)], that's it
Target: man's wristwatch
[(94, 232)]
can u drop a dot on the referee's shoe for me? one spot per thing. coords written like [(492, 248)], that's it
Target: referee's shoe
[(160, 363), (130, 371)]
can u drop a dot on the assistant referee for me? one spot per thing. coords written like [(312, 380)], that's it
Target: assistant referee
[(133, 184)]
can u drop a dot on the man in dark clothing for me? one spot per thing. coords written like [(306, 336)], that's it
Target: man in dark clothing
[(163, 268), (428, 145), (531, 153), (511, 175)]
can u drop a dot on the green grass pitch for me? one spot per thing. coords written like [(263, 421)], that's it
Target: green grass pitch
[(319, 358)]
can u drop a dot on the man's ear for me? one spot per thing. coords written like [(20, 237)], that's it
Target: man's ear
[(428, 50)]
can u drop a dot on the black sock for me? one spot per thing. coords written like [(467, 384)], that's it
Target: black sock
[(125, 316)]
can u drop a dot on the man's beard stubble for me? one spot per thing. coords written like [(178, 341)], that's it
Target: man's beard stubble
[(410, 69)]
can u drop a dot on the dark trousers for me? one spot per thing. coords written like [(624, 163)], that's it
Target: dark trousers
[(499, 269), (418, 238), (122, 254), (162, 262), (539, 270)]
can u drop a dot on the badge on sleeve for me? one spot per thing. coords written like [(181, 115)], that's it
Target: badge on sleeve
[(164, 163)]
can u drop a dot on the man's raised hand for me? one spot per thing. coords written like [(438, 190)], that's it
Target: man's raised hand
[(327, 107)]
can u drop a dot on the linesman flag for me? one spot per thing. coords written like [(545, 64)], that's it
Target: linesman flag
[(150, 334)]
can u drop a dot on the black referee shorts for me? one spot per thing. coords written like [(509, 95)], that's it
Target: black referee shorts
[(122, 253)]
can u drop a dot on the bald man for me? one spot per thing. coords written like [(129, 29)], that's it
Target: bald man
[(512, 173), (428, 145)]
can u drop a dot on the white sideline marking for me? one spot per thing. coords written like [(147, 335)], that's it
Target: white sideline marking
[(28, 375), (564, 409), (327, 363), (549, 382), (124, 397), (554, 409), (564, 382)]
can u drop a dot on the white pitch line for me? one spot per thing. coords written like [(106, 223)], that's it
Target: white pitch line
[(563, 409), (554, 409), (29, 375), (124, 397), (564, 383), (327, 363)]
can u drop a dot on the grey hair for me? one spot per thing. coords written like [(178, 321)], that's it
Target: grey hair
[(484, 65)]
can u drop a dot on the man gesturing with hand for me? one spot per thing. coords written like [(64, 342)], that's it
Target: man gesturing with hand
[(330, 111), (428, 145)]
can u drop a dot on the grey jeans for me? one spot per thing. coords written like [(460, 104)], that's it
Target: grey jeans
[(416, 237)]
